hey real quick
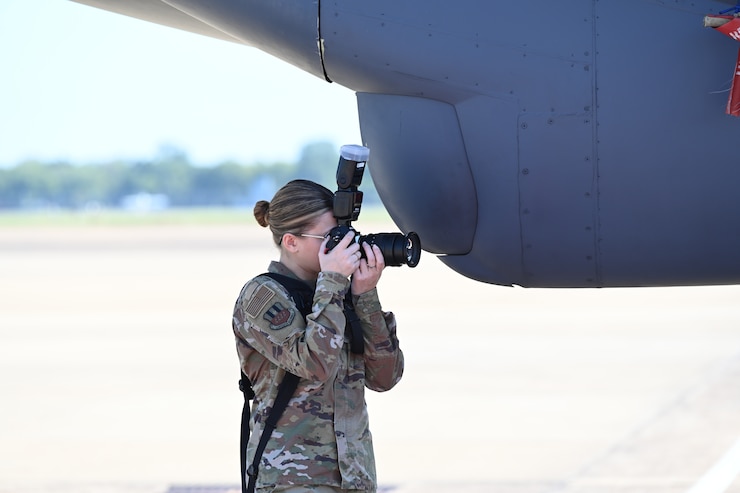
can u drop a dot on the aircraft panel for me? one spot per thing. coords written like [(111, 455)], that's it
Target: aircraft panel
[(558, 205), (393, 47), (668, 190)]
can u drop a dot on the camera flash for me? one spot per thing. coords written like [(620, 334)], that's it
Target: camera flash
[(353, 152)]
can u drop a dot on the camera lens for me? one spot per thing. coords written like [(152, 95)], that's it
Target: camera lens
[(396, 248), (413, 249)]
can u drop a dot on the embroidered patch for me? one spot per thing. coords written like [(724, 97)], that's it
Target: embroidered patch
[(279, 316), (258, 300)]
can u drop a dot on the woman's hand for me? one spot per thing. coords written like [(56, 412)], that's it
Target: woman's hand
[(368, 273), (343, 258)]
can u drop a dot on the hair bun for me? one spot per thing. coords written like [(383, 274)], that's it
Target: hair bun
[(262, 213)]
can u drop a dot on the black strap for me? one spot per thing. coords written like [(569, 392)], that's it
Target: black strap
[(285, 392), (301, 292), (352, 327), (302, 296), (246, 387)]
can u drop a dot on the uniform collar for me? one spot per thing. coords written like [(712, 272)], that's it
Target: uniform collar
[(279, 268)]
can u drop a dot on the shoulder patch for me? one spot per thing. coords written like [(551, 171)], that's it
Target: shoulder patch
[(261, 296), (279, 316)]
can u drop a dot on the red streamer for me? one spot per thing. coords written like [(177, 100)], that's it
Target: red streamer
[(732, 30)]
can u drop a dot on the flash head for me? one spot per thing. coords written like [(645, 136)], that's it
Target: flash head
[(348, 199), (354, 152)]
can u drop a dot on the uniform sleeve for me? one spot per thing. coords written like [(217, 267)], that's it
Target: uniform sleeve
[(268, 321), (383, 357)]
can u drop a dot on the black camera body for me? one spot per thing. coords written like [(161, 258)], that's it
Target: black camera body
[(397, 249)]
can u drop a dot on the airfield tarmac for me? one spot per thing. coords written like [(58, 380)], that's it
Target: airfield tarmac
[(118, 373)]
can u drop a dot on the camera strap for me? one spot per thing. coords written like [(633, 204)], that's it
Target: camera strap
[(302, 296), (353, 328)]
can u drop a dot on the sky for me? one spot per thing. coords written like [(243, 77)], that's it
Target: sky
[(85, 85)]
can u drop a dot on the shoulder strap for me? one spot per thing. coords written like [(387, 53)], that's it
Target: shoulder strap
[(285, 392), (302, 296), (301, 292), (246, 387), (353, 327)]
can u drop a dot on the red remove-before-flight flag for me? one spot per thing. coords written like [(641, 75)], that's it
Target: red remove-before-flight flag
[(733, 104), (732, 29)]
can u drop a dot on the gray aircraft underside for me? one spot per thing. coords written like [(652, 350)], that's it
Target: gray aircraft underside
[(543, 144)]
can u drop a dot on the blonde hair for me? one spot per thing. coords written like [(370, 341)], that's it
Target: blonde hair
[(294, 208)]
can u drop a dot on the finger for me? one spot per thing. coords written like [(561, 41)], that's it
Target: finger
[(354, 250), (369, 253), (341, 245), (347, 239), (379, 260)]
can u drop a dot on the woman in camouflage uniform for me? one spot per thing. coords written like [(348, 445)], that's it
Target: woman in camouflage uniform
[(322, 442)]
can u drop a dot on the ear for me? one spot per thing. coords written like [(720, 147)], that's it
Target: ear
[(290, 242)]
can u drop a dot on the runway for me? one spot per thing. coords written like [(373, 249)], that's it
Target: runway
[(118, 373)]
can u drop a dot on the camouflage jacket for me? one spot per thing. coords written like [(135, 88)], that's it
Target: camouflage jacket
[(323, 437)]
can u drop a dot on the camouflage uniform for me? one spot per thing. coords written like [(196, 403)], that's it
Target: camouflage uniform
[(323, 436)]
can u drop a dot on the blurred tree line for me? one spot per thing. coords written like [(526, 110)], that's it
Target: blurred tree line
[(170, 176)]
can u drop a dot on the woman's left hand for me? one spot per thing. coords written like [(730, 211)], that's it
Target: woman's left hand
[(367, 275)]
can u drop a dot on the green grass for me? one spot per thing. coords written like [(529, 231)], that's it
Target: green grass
[(185, 216)]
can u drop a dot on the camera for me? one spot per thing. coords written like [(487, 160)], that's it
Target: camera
[(397, 249)]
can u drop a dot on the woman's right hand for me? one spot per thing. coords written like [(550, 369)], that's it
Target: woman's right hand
[(344, 258)]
